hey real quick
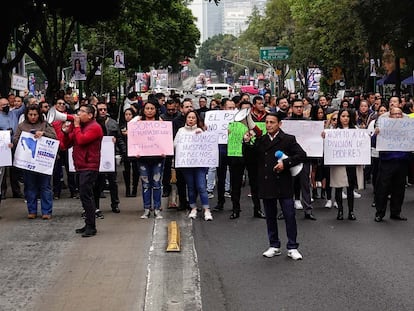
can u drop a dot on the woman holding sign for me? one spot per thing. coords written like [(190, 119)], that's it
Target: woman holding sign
[(195, 177), (150, 167), (35, 183), (344, 175)]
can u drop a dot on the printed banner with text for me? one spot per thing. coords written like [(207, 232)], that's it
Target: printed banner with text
[(37, 155), (5, 150)]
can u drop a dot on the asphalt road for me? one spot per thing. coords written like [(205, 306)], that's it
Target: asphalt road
[(347, 265)]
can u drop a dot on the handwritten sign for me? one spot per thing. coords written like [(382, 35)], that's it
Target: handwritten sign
[(218, 121), (107, 160), (197, 150), (5, 150), (37, 155), (395, 134), (347, 147), (235, 140), (308, 135), (19, 82), (150, 138), (236, 133)]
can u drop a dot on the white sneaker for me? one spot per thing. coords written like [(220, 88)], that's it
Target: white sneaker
[(335, 205), (271, 252), (146, 214), (210, 195), (157, 214), (298, 204), (294, 254), (357, 195), (207, 215), (328, 204), (344, 196), (227, 194), (193, 213)]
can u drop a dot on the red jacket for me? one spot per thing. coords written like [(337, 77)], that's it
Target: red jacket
[(86, 141)]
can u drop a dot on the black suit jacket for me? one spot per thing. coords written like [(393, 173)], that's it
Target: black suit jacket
[(271, 184)]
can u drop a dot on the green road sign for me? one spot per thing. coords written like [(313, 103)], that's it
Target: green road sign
[(274, 53)]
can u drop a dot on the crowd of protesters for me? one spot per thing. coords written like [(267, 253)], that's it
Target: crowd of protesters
[(89, 119)]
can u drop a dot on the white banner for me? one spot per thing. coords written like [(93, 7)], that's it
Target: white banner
[(396, 134), (107, 162), (347, 147), (37, 155), (218, 121), (5, 150), (197, 150), (308, 134)]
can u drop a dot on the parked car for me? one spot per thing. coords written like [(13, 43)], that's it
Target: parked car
[(200, 92), (250, 89)]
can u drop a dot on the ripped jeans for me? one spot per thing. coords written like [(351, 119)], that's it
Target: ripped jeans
[(150, 172)]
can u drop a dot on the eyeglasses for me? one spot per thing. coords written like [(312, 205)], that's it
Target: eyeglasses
[(102, 109), (60, 103), (81, 110)]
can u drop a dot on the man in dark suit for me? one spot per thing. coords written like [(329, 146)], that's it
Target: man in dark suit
[(276, 182)]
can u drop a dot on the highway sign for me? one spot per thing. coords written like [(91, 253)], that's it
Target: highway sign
[(274, 53)]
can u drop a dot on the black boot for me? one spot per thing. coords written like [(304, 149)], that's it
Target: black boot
[(135, 180), (89, 231), (315, 193), (351, 215), (338, 199), (127, 180), (340, 215)]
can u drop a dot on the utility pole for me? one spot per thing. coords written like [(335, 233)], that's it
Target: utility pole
[(79, 46)]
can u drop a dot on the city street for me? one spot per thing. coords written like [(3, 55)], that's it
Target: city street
[(360, 265)]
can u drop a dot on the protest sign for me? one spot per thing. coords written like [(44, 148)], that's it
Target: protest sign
[(347, 147), (150, 138), (218, 121), (197, 150), (107, 160), (37, 155), (395, 134), (5, 150), (308, 135)]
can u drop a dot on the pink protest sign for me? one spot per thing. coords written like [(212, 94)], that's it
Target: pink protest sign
[(150, 138)]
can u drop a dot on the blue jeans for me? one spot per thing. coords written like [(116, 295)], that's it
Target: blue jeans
[(195, 178), (150, 172), (38, 184)]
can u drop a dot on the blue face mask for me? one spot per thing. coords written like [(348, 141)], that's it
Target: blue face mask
[(6, 109)]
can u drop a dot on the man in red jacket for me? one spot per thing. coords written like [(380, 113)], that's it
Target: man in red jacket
[(86, 139)]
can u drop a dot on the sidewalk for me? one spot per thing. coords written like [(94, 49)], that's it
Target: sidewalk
[(46, 266)]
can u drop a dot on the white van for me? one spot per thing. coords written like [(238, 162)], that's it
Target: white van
[(218, 88)]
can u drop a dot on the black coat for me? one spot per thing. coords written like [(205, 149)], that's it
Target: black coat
[(271, 184)]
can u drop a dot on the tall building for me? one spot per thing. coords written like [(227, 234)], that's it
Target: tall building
[(228, 17)]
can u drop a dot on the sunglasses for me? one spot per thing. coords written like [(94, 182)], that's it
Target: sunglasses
[(102, 109), (334, 119)]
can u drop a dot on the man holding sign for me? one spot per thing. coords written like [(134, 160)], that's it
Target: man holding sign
[(392, 174)]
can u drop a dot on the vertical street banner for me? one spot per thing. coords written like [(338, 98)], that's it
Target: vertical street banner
[(79, 66), (37, 155)]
